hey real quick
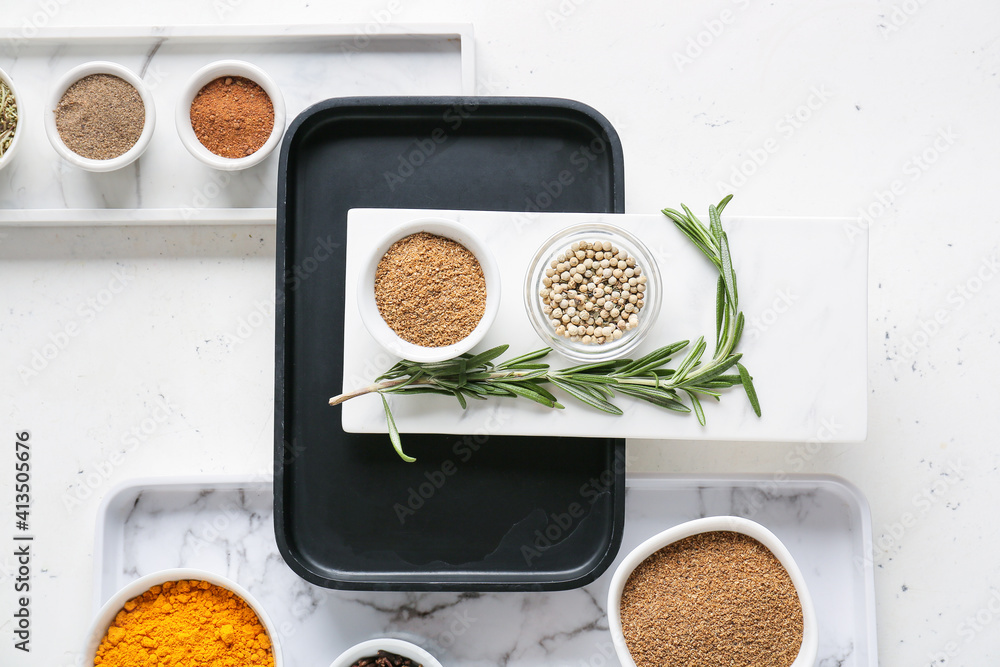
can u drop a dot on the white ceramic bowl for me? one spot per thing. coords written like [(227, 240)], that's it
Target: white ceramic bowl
[(7, 157), (397, 646), (111, 608), (810, 630), (381, 331), (74, 75), (210, 73), (560, 242)]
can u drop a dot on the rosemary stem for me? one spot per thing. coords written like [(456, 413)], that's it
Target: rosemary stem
[(378, 386), (389, 384)]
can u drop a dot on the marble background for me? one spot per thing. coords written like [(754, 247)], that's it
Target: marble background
[(881, 110), (226, 528), (307, 67)]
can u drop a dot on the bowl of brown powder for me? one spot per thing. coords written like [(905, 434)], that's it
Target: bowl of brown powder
[(231, 115), (429, 290), (716, 591), (182, 616), (100, 116)]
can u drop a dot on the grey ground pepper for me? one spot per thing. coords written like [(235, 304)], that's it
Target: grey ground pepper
[(716, 598), (100, 116)]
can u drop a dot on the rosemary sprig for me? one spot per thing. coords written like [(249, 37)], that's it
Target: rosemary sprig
[(480, 376)]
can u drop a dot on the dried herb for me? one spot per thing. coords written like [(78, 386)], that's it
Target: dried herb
[(100, 117), (595, 384), (8, 117)]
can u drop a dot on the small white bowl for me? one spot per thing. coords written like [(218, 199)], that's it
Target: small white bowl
[(74, 75), (203, 77), (7, 157), (810, 629), (111, 608), (397, 646), (381, 331)]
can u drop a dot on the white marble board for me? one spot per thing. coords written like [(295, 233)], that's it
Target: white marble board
[(225, 526), (803, 289), (308, 63)]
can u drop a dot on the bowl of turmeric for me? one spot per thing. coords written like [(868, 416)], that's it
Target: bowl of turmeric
[(191, 616)]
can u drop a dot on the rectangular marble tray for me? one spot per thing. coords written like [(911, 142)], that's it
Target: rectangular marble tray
[(309, 64), (225, 525), (804, 293)]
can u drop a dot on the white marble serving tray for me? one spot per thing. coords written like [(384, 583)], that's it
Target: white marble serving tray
[(309, 64), (803, 289), (225, 526)]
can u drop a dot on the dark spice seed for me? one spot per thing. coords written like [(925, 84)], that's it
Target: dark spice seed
[(385, 659), (716, 598), (100, 117)]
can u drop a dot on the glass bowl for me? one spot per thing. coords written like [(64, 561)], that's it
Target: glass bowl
[(561, 242)]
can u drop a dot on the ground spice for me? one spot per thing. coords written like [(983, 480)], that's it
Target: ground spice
[(186, 623), (716, 598), (430, 290), (100, 117), (232, 116), (385, 659)]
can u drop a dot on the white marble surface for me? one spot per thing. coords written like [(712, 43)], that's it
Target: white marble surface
[(225, 526), (803, 286), (886, 80), (309, 63)]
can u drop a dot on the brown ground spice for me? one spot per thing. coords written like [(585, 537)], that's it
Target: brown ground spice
[(100, 117), (232, 116), (716, 598), (430, 290)]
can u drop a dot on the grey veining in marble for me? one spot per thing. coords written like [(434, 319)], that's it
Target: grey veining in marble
[(308, 63), (228, 530)]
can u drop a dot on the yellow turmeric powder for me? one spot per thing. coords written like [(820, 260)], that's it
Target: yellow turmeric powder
[(186, 623)]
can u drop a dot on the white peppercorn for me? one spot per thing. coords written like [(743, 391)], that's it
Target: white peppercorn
[(592, 293)]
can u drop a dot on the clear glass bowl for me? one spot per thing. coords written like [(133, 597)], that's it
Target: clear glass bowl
[(561, 242)]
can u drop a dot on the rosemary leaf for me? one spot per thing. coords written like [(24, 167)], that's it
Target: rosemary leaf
[(720, 311), (696, 405), (722, 204), (394, 432), (585, 396), (525, 358), (648, 378), (527, 392), (488, 355), (748, 386)]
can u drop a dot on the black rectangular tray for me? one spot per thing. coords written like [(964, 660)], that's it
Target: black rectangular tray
[(474, 513)]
